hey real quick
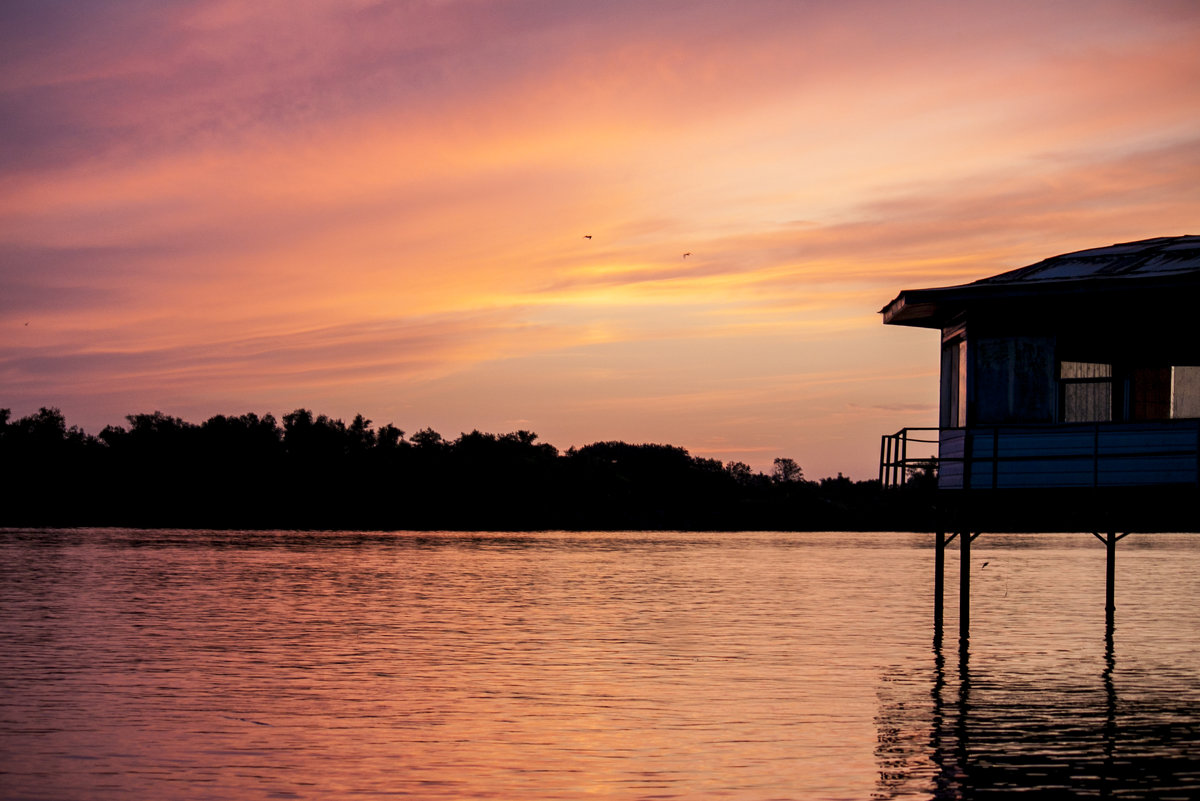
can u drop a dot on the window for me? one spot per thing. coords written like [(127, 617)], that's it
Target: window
[(954, 383), (1086, 392), (1150, 393), (1185, 391), (1162, 393), (1014, 379)]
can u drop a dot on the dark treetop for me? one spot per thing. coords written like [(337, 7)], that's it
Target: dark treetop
[(315, 472)]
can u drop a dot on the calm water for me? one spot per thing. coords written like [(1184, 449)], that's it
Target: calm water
[(231, 665)]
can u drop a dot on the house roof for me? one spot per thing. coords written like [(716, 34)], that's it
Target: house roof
[(1163, 264)]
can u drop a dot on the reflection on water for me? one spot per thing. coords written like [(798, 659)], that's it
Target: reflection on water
[(1021, 733), (175, 664), (1078, 728)]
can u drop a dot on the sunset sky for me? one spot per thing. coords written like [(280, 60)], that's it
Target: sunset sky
[(216, 207)]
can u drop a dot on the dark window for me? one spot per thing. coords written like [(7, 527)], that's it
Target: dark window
[(1014, 379), (1162, 393), (954, 383), (1150, 393)]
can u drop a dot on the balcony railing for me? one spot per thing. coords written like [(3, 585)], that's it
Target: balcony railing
[(1159, 453), (898, 463)]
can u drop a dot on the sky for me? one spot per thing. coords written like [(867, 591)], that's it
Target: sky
[(648, 221)]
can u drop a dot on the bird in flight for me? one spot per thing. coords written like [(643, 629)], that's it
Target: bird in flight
[(587, 236), (685, 255)]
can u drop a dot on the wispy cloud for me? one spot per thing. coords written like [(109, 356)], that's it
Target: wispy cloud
[(381, 206)]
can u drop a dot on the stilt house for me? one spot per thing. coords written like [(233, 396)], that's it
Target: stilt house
[(1070, 401), (1081, 371)]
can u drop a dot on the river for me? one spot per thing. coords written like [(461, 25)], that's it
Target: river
[(154, 664)]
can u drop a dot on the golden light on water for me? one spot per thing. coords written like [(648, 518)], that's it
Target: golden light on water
[(589, 664)]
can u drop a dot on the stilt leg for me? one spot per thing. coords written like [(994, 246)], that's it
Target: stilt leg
[(1110, 579), (1110, 540), (964, 586), (939, 582)]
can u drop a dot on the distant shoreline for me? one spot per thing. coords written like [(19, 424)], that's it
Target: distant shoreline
[(316, 473)]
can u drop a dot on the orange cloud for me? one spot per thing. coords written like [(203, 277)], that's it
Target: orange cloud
[(381, 207)]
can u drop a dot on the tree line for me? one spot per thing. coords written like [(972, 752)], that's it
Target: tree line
[(311, 471)]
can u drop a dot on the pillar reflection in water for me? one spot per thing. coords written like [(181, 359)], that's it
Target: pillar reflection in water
[(993, 732)]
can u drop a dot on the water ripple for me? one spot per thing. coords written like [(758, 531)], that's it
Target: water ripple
[(180, 664)]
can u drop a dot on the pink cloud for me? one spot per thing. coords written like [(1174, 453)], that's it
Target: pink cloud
[(206, 202)]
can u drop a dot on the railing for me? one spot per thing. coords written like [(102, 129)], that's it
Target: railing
[(896, 467), (1159, 453)]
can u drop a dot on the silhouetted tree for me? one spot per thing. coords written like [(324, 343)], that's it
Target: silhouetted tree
[(786, 471), (739, 472), (318, 472), (360, 435), (428, 438), (46, 468), (389, 437)]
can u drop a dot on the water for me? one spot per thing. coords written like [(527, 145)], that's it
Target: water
[(239, 665)]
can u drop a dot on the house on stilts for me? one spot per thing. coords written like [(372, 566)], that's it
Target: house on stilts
[(1070, 399)]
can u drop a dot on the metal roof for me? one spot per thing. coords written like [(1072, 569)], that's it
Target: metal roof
[(1162, 256), (1168, 262)]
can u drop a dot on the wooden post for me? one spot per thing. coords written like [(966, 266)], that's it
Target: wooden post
[(1110, 540), (939, 567), (939, 581), (1110, 577), (964, 586), (883, 447)]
